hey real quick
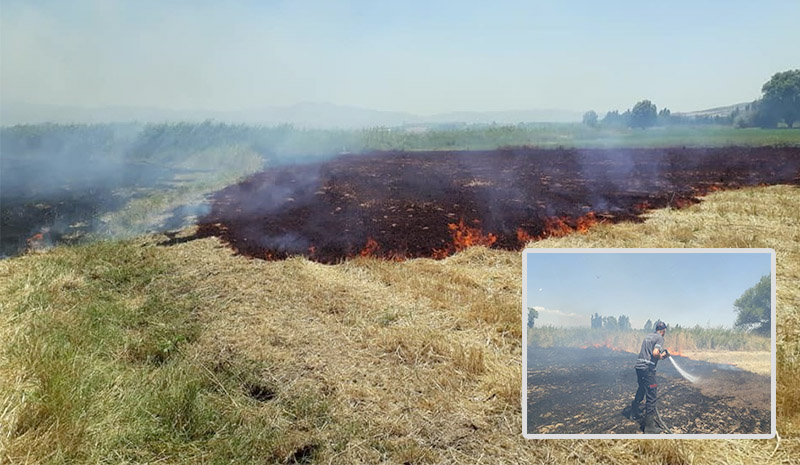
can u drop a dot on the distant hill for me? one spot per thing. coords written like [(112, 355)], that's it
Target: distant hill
[(307, 114), (718, 111)]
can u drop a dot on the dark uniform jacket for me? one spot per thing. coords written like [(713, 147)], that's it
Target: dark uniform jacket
[(651, 341)]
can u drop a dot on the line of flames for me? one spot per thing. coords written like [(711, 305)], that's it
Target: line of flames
[(464, 236), (560, 226)]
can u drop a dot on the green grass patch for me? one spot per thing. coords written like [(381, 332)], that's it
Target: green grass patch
[(101, 368)]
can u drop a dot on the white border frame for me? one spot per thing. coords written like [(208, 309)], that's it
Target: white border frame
[(524, 393)]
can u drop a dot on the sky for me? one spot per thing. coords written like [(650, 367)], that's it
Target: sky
[(678, 288), (422, 57)]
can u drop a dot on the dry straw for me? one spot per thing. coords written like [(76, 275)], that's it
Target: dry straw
[(419, 361)]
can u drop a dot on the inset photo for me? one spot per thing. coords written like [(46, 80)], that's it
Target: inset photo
[(648, 343)]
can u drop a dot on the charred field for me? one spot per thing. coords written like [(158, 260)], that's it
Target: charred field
[(192, 354), (399, 205), (589, 391)]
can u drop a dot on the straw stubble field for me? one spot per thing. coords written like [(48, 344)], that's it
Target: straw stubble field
[(362, 362)]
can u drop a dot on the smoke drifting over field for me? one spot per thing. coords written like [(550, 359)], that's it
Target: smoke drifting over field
[(65, 182), (431, 204)]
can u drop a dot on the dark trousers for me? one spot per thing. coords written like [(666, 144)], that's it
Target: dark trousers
[(647, 388)]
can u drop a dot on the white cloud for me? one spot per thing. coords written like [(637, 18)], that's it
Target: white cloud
[(555, 312), (556, 317)]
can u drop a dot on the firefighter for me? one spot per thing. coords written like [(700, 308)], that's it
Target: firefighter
[(652, 351)]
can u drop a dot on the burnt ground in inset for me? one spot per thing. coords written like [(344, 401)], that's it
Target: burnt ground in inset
[(589, 391), (412, 204)]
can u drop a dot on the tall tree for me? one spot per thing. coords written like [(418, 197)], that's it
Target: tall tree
[(624, 322), (590, 118), (781, 99), (609, 322), (597, 321), (664, 117), (648, 326), (753, 308), (643, 115), (533, 314)]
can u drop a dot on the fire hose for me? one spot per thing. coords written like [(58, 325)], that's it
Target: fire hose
[(660, 423)]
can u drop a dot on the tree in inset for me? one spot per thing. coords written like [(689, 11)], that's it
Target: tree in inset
[(533, 314), (597, 321), (609, 322), (753, 308)]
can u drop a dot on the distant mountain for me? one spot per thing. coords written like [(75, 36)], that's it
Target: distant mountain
[(307, 114)]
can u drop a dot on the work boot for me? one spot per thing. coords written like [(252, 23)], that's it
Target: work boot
[(650, 424), (634, 415)]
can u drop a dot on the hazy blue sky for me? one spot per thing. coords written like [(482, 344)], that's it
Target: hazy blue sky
[(417, 56), (679, 288)]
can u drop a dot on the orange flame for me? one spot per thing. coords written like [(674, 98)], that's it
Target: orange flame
[(370, 248), (440, 254), (585, 222), (35, 242), (466, 236), (675, 351), (556, 227), (523, 237), (561, 226)]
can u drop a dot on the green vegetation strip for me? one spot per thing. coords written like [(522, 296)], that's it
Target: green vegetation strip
[(104, 370), (695, 338)]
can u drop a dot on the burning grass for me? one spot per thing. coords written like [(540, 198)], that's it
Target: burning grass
[(402, 205), (366, 361)]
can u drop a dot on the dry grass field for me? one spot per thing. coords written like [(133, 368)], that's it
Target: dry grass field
[(754, 361), (133, 352)]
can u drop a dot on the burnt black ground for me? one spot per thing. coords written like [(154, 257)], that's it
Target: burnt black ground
[(589, 391), (406, 202)]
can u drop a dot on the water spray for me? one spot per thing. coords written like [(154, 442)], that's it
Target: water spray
[(687, 376)]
